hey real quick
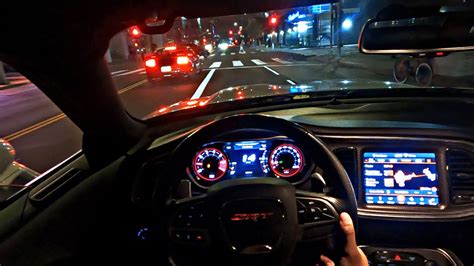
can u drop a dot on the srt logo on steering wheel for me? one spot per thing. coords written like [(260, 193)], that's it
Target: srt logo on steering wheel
[(258, 216)]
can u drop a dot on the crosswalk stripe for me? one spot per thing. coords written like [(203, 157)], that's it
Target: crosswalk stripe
[(258, 62), (237, 63), (281, 61), (232, 53), (215, 65), (222, 54)]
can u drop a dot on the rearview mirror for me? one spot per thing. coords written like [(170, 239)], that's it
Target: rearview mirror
[(436, 35)]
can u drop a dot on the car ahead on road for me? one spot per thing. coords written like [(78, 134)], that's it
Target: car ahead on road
[(173, 61), (262, 175)]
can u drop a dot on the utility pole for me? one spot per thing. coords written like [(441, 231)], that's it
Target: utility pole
[(3, 77), (331, 30), (338, 29)]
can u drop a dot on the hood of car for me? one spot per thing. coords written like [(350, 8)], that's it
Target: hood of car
[(267, 90)]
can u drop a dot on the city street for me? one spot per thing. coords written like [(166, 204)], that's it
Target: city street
[(43, 136)]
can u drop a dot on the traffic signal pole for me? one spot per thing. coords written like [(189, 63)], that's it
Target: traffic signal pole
[(338, 29), (3, 77)]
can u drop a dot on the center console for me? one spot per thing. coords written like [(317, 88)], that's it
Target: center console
[(409, 257), (402, 177)]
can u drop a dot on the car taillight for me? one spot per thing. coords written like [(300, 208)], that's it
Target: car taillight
[(183, 60), (150, 62)]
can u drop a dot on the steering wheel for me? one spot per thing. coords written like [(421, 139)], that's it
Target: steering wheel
[(258, 221)]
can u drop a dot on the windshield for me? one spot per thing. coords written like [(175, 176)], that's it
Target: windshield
[(204, 61)]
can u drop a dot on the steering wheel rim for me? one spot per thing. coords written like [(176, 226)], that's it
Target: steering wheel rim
[(188, 237)]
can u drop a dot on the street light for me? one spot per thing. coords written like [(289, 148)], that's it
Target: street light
[(347, 24)]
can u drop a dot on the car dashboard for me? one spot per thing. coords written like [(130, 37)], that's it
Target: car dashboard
[(412, 177), (394, 177)]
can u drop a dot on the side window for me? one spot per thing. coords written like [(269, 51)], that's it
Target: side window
[(35, 134)]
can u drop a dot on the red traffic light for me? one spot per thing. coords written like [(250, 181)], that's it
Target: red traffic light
[(135, 32), (273, 20), (231, 32)]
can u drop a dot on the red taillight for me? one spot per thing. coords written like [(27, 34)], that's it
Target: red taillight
[(183, 60), (439, 53), (150, 62)]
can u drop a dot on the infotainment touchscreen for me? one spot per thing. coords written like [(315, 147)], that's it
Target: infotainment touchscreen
[(401, 178)]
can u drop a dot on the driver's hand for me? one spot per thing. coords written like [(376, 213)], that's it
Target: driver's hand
[(354, 255)]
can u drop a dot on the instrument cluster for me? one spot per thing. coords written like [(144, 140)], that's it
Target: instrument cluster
[(223, 160)]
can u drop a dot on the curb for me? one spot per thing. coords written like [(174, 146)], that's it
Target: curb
[(11, 86)]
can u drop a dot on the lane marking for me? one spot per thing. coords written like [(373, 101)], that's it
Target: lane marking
[(134, 85), (244, 67), (222, 54), (291, 82), (58, 117), (258, 62), (120, 71), (271, 70), (34, 127), (237, 63), (130, 72), (202, 86), (142, 73), (216, 64), (232, 53), (278, 60)]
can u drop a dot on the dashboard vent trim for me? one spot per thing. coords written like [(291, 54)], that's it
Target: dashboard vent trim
[(460, 166)]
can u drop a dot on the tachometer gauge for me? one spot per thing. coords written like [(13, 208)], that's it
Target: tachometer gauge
[(286, 160), (210, 164)]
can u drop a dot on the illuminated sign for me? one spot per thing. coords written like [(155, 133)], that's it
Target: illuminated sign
[(296, 15), (318, 9)]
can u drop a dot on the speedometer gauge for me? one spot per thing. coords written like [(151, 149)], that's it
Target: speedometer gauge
[(210, 164), (286, 160)]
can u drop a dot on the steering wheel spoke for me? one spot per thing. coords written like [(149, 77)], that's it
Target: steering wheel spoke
[(189, 222)]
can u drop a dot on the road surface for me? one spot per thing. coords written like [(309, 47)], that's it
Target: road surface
[(43, 136)]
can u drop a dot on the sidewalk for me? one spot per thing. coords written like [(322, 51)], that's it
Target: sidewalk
[(312, 51)]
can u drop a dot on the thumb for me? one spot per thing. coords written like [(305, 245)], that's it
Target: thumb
[(348, 227), (327, 261)]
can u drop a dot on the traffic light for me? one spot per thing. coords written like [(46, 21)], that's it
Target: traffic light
[(273, 20), (135, 32), (231, 32)]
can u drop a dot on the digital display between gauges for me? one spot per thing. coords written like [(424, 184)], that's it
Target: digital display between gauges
[(286, 160), (247, 158), (210, 164)]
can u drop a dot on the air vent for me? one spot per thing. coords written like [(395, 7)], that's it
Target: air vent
[(461, 174), (348, 159)]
